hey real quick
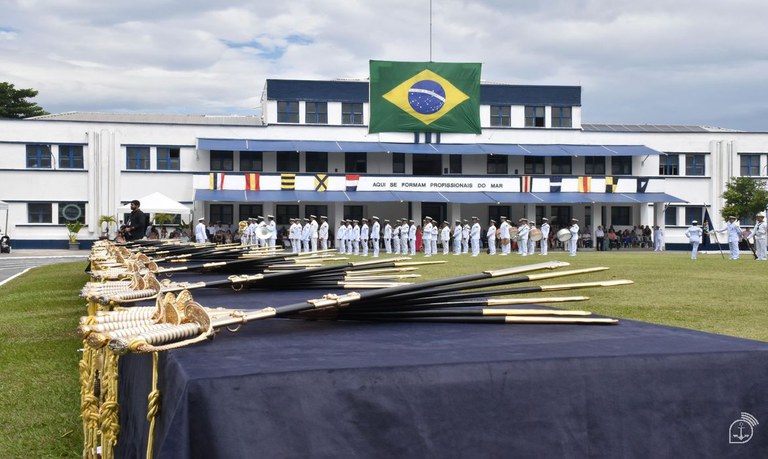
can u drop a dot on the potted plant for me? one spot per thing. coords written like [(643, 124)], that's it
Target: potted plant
[(73, 227), (108, 219)]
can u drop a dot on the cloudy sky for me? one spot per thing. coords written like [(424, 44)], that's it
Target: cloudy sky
[(651, 61)]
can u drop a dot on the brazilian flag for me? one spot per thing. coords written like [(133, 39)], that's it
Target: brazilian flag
[(424, 97)]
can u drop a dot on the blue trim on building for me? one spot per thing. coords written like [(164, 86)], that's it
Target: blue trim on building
[(47, 244), (357, 92)]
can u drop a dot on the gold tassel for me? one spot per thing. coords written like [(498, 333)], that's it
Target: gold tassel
[(154, 406), (110, 421)]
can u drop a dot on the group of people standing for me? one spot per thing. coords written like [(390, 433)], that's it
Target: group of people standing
[(695, 234), (309, 236), (405, 237)]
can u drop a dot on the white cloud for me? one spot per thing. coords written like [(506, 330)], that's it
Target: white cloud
[(686, 62)]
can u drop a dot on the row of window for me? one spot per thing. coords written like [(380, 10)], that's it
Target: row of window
[(65, 212), (352, 114), (535, 116), (138, 158), (671, 216), (317, 112), (669, 164), (41, 156)]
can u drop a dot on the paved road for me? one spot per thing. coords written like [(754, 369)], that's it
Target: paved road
[(17, 262)]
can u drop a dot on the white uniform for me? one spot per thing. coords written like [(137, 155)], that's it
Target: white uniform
[(365, 232), (504, 236), (200, 234), (760, 239), (465, 238), (404, 231), (348, 237), (457, 231), (387, 238), (305, 237), (574, 229), (544, 238), (272, 227), (375, 232), (491, 235), (531, 242), (341, 243), (322, 235), (734, 236), (294, 234), (445, 238), (474, 237), (396, 239), (435, 231), (412, 238), (693, 233), (658, 239), (426, 238), (522, 239), (356, 239), (313, 227)]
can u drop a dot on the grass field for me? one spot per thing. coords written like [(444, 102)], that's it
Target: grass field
[(39, 394)]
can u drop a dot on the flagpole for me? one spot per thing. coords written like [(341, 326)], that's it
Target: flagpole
[(430, 30)]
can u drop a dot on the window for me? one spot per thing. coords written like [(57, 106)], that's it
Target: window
[(251, 161), (316, 112), (500, 115), (71, 157), (454, 164), (497, 164), (670, 216), (353, 213), (316, 210), (534, 116), (285, 212), (39, 212), (561, 117), (316, 161), (356, 162), (561, 165), (621, 165), (38, 156), (561, 216), (621, 215), (71, 212), (750, 165), (669, 164), (541, 212), (137, 158), (222, 160), (351, 113), (398, 163), (287, 112), (694, 164), (691, 214), (533, 165), (221, 213), (594, 165), (250, 211), (168, 158), (496, 212), (287, 161)]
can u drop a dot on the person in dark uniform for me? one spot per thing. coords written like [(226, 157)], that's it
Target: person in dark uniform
[(137, 222)]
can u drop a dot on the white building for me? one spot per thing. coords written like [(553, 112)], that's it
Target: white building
[(534, 158)]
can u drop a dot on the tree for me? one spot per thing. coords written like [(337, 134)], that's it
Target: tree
[(744, 197), (14, 103)]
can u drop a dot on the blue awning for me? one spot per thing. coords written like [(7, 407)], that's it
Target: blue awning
[(332, 146), (430, 196)]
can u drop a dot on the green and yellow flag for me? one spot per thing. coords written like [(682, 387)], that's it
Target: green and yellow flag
[(424, 97)]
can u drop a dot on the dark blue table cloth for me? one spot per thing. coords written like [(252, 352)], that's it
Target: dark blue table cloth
[(298, 389)]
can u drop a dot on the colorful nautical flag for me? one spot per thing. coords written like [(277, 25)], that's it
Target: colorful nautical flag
[(216, 181), (351, 182), (321, 182), (611, 184), (252, 182), (555, 184), (525, 183), (642, 184), (585, 184), (424, 97), (287, 181)]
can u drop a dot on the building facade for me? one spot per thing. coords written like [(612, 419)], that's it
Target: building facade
[(310, 153)]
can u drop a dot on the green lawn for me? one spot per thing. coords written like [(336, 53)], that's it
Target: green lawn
[(39, 393)]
